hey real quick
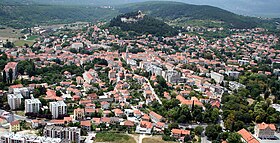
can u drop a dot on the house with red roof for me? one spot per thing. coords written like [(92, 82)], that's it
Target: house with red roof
[(265, 131), (86, 125), (247, 136), (144, 127), (118, 112), (155, 117), (179, 133), (105, 105)]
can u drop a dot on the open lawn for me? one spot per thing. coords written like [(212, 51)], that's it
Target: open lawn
[(22, 42), (33, 37), (114, 138), (10, 32), (154, 140)]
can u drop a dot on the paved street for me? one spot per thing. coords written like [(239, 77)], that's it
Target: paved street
[(152, 89)]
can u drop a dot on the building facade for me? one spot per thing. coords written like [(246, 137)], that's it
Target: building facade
[(69, 134), (32, 105), (265, 131), (58, 108), (14, 101)]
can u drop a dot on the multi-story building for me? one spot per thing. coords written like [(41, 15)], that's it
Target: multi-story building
[(155, 117), (79, 114), (217, 77), (32, 105), (15, 126), (265, 131), (13, 67), (69, 134), (58, 108), (14, 100), (24, 91), (11, 137)]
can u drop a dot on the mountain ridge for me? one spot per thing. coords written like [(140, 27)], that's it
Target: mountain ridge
[(18, 14)]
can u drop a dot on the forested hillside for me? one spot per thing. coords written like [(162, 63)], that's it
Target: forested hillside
[(26, 13), (176, 10), (21, 16), (145, 25)]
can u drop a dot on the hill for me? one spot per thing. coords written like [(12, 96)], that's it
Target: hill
[(26, 13), (141, 23), (23, 15), (176, 10)]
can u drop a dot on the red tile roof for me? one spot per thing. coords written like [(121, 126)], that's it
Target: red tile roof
[(247, 136), (263, 126)]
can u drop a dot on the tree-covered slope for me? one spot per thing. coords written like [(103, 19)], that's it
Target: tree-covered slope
[(146, 24), (175, 10), (26, 13), (21, 15)]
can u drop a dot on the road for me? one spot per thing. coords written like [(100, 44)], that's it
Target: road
[(18, 117), (152, 89), (89, 137), (141, 138)]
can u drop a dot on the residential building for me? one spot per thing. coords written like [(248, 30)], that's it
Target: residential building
[(15, 126), (79, 114), (265, 131), (14, 101), (179, 133), (217, 77), (233, 85), (233, 74), (86, 125), (32, 105), (144, 127), (57, 108), (70, 134), (247, 137), (13, 67), (11, 137), (155, 117)]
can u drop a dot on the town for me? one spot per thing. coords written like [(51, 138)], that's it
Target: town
[(90, 83)]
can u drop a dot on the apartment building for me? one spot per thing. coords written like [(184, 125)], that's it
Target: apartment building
[(14, 101), (69, 134), (57, 108), (32, 105)]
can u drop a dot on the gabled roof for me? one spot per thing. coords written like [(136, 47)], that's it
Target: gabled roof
[(264, 126), (247, 136)]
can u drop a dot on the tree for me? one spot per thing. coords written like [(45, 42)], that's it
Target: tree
[(198, 130), (4, 76), (234, 138), (10, 75), (229, 122), (212, 131)]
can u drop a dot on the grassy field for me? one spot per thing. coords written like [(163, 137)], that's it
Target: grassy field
[(10, 33), (22, 42), (113, 138), (33, 37), (154, 140)]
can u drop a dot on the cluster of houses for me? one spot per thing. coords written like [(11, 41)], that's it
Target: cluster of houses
[(206, 74)]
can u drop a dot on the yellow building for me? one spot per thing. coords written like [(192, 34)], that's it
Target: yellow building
[(15, 126)]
